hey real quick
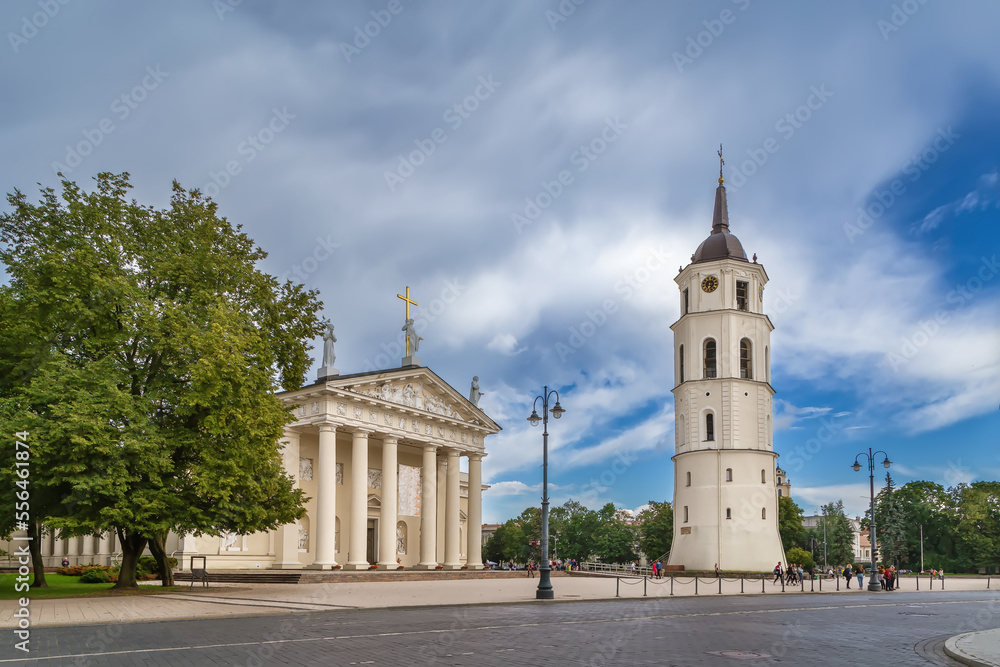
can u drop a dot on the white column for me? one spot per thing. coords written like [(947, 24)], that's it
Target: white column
[(88, 549), (452, 518), (325, 526), (474, 545), (286, 542), (442, 502), (358, 550), (104, 548), (58, 548), (428, 509), (387, 517)]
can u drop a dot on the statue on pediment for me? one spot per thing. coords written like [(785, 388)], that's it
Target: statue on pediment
[(474, 393), (329, 357)]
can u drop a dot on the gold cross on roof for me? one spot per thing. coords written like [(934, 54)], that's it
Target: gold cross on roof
[(408, 301)]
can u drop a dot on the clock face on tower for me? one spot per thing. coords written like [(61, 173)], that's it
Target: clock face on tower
[(710, 284)]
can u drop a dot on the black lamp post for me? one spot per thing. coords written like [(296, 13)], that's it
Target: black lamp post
[(544, 591), (873, 584)]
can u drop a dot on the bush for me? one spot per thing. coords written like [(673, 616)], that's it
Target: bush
[(72, 570), (96, 576), (146, 569)]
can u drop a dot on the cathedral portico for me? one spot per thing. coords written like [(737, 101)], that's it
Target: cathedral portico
[(393, 442)]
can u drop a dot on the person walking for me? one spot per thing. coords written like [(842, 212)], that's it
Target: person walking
[(861, 577), (847, 575), (716, 570), (777, 573), (531, 569)]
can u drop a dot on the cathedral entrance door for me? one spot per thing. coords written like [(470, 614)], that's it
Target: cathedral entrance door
[(371, 540)]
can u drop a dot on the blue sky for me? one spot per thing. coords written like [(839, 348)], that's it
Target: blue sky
[(447, 150)]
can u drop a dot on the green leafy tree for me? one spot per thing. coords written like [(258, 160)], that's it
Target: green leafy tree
[(931, 511), (656, 529), (801, 557), (793, 533), (507, 543), (616, 538), (578, 535), (149, 349), (978, 513)]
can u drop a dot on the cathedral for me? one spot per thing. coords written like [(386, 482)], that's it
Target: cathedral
[(378, 455), (725, 495)]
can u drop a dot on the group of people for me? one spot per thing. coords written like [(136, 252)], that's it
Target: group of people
[(657, 569), (793, 573)]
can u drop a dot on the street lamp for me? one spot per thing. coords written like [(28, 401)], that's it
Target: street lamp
[(544, 591), (873, 584)]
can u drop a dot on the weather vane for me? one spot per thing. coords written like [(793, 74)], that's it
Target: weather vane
[(721, 162)]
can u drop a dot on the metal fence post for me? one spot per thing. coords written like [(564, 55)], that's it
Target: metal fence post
[(671, 583), (782, 584), (762, 584), (644, 586), (741, 583), (720, 585), (696, 584), (618, 583)]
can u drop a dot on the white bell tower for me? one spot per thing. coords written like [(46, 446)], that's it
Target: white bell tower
[(725, 499)]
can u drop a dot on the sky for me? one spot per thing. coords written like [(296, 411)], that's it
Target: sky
[(534, 171)]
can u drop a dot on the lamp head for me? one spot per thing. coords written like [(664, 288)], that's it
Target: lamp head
[(557, 411), (534, 418), (856, 466), (887, 462)]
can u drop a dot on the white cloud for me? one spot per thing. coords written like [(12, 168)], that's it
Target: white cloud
[(505, 344)]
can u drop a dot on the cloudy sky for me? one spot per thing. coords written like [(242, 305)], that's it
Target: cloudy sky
[(536, 172)]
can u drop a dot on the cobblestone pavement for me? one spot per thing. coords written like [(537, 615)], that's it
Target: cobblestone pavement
[(863, 629)]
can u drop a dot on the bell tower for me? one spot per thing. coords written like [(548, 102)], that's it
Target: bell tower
[(725, 498)]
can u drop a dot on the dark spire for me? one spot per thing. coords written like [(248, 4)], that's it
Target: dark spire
[(720, 219)]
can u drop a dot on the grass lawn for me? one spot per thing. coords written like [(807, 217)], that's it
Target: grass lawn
[(64, 586)]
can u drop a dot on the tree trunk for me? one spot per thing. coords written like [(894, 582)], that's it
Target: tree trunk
[(157, 547), (132, 547), (35, 548)]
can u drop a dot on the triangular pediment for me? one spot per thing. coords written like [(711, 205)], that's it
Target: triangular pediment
[(415, 388)]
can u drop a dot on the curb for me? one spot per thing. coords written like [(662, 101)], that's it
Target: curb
[(952, 650)]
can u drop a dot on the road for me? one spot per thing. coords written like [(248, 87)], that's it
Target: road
[(864, 629)]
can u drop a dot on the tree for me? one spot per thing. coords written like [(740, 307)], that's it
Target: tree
[(578, 535), (891, 518), (507, 543), (616, 539), (839, 533), (931, 507), (656, 529), (793, 533), (978, 510), (800, 557), (150, 349)]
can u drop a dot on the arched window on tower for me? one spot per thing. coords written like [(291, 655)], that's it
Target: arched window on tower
[(680, 361), (710, 358), (746, 359), (763, 476), (709, 426), (729, 474), (729, 513), (689, 479), (681, 430), (687, 302), (763, 513), (767, 364), (779, 493)]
